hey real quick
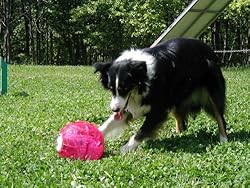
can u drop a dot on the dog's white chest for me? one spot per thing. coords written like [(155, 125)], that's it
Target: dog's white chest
[(135, 107)]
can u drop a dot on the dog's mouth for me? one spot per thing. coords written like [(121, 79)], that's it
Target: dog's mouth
[(119, 115)]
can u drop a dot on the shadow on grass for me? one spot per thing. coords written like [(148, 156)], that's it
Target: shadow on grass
[(194, 143), (21, 94), (241, 136), (190, 143)]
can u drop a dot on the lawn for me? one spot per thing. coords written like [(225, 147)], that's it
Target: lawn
[(42, 99)]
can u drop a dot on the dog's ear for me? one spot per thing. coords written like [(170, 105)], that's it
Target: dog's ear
[(139, 74), (139, 69), (103, 69)]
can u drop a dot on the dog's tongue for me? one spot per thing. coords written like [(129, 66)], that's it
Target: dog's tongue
[(118, 116)]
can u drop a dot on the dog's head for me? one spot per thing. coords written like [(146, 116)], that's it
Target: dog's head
[(122, 78)]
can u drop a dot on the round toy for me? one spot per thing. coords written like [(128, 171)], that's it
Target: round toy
[(80, 140)]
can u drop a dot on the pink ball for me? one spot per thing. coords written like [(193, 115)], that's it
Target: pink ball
[(80, 140)]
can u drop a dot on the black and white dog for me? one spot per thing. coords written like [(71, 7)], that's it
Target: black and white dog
[(181, 75)]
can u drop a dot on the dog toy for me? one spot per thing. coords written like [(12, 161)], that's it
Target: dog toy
[(80, 140)]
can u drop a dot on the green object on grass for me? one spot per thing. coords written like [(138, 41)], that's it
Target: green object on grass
[(4, 76)]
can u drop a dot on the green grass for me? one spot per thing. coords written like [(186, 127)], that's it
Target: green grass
[(41, 100)]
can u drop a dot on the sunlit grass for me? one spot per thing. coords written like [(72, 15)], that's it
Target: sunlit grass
[(41, 99)]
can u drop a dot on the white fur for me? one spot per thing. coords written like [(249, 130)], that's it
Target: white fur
[(130, 146), (112, 128), (140, 55), (117, 101), (223, 138), (116, 83), (134, 105)]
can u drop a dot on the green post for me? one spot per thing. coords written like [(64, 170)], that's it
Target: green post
[(4, 71)]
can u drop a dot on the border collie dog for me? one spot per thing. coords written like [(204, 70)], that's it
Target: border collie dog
[(180, 76)]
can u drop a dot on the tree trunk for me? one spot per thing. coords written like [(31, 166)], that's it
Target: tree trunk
[(7, 39), (38, 35), (31, 35), (1, 27), (217, 36)]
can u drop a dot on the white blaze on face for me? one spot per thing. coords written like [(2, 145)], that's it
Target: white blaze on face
[(117, 103)]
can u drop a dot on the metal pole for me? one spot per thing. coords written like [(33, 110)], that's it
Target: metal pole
[(4, 71)]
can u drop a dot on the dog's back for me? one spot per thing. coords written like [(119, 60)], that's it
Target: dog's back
[(184, 65), (180, 75)]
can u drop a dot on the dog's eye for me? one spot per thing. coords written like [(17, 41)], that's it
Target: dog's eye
[(122, 91)]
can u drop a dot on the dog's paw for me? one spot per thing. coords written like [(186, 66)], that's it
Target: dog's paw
[(223, 138), (130, 146), (126, 149), (112, 129)]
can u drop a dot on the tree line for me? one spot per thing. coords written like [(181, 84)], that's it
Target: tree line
[(81, 32)]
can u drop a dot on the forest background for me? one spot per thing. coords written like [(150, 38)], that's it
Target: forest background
[(82, 32)]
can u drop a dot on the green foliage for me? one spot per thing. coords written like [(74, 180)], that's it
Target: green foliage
[(115, 25), (81, 32), (231, 32), (41, 99), (98, 23), (238, 9)]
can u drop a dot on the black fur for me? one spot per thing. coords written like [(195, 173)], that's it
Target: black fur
[(187, 79)]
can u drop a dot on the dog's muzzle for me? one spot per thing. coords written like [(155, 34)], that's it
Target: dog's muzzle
[(119, 115)]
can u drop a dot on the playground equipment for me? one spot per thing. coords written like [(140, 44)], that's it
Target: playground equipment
[(4, 76), (194, 19)]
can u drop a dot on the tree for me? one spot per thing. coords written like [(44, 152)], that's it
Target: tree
[(5, 29), (231, 32), (81, 32)]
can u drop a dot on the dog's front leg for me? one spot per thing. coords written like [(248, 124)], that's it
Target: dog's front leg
[(151, 124), (113, 128)]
